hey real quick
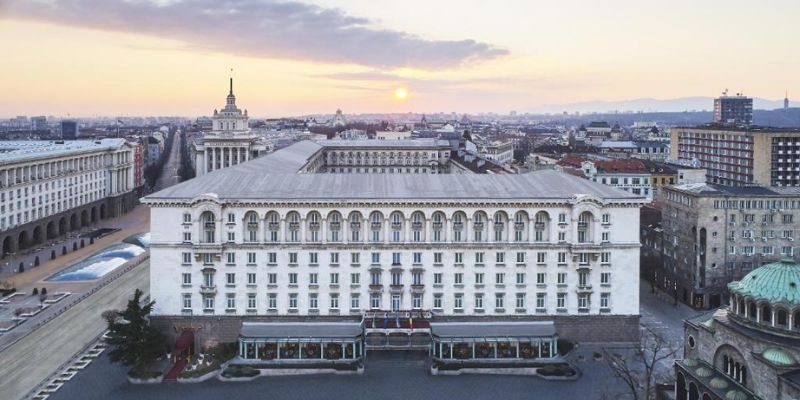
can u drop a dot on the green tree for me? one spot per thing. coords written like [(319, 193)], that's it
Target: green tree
[(135, 343)]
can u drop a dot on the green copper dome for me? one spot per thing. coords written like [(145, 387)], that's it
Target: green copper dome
[(776, 283), (736, 395), (704, 372), (689, 362), (718, 383), (778, 357)]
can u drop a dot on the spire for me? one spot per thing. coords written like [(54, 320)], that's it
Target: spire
[(231, 90)]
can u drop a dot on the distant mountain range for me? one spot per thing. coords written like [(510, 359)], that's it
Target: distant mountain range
[(698, 103)]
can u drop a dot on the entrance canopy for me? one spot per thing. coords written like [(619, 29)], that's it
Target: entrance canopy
[(301, 330), (493, 330)]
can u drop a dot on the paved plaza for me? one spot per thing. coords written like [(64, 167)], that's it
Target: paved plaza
[(388, 375)]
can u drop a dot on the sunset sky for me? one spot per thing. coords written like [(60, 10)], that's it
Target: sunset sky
[(169, 57)]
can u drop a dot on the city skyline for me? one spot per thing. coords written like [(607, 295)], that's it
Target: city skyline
[(85, 58)]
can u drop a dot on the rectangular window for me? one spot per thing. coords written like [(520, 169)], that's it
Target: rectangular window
[(334, 258), (437, 278), (293, 301), (313, 278), (478, 258), (251, 278), (375, 278), (334, 301), (540, 278), (292, 258), (458, 278), (562, 278), (375, 301), (376, 258), (187, 300), (499, 302), (583, 301), (520, 301), (187, 258), (437, 300), (313, 301), (251, 258), (230, 301), (437, 258), (562, 257), (272, 301), (208, 303), (458, 301), (541, 257), (355, 278), (520, 257), (355, 302), (520, 278), (478, 301), (604, 297), (251, 301), (230, 278), (272, 258), (417, 258), (272, 278), (397, 279), (313, 258), (605, 257), (479, 278), (293, 278), (395, 258), (500, 257), (231, 237), (606, 218), (540, 300), (334, 278), (562, 218), (605, 278), (459, 258), (604, 236), (561, 300), (187, 279), (562, 236), (231, 257), (499, 278), (231, 218), (354, 258)]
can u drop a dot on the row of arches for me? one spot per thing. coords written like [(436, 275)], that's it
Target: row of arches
[(45, 230), (766, 314), (397, 226)]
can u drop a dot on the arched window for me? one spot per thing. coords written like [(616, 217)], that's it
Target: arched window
[(585, 222), (458, 226), (273, 225), (209, 227), (520, 226), (437, 224), (766, 314), (313, 220), (251, 226), (293, 226), (500, 221), (417, 226), (478, 224), (541, 226), (355, 226), (334, 226), (751, 307), (781, 318), (396, 219), (376, 223), (741, 309)]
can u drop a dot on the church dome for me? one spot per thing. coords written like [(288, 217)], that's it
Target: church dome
[(777, 282), (778, 357)]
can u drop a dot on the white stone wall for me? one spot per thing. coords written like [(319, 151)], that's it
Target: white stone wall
[(167, 267)]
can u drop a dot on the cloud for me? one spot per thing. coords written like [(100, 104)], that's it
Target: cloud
[(262, 28)]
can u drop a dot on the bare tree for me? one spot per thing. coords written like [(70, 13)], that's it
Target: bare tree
[(110, 316), (639, 369)]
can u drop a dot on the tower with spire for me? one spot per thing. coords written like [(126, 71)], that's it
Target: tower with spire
[(230, 141)]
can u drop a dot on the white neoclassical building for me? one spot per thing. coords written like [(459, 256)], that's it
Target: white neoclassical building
[(50, 188), (230, 141), (275, 240)]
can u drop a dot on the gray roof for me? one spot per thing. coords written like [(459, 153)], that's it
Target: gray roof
[(708, 189), (300, 330), (385, 143), (275, 177), (493, 329), (27, 150)]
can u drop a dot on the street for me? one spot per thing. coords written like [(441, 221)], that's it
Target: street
[(39, 354), (169, 174)]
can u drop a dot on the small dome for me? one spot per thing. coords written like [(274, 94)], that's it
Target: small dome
[(778, 357), (689, 362), (777, 282), (736, 395), (710, 323), (704, 372), (718, 383)]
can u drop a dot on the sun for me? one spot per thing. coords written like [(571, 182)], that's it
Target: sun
[(400, 93)]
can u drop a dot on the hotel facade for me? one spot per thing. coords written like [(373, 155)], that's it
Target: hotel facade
[(275, 239)]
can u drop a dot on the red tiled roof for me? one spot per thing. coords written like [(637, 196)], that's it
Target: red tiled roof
[(623, 165)]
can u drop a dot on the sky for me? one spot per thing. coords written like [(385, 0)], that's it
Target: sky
[(296, 57)]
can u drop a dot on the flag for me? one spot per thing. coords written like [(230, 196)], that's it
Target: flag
[(385, 320), (373, 322), (411, 323), (397, 321)]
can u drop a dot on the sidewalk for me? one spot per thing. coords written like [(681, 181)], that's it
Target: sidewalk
[(135, 221)]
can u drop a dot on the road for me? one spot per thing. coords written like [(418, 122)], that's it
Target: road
[(35, 357), (169, 174)]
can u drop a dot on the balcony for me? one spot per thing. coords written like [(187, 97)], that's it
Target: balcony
[(208, 290), (335, 226), (396, 287), (519, 226), (273, 226), (584, 289), (376, 287), (209, 225), (314, 226), (252, 225)]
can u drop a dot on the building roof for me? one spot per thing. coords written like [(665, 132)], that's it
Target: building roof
[(300, 330), (722, 385), (777, 282), (493, 329), (27, 150), (709, 189), (275, 177), (625, 165), (384, 143)]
